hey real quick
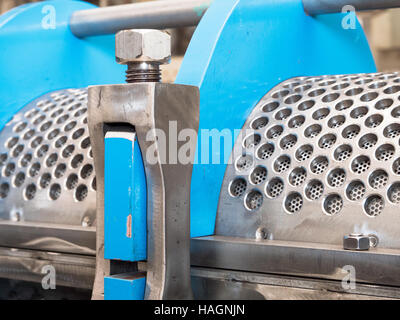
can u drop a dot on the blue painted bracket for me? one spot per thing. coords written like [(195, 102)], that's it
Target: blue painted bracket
[(240, 50), (125, 235), (128, 286)]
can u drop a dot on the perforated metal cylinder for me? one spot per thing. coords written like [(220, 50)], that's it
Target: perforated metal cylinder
[(46, 167), (322, 160)]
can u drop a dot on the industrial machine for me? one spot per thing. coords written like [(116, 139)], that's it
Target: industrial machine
[(270, 169)]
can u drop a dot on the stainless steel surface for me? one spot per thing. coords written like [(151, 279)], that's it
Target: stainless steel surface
[(168, 185), (377, 266), (356, 242), (47, 182), (314, 7), (215, 284), (321, 160), (143, 50), (71, 270), (146, 15)]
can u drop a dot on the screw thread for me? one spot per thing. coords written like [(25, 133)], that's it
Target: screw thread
[(143, 72)]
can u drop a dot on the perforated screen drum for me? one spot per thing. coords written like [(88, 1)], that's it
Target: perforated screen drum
[(320, 159), (46, 166)]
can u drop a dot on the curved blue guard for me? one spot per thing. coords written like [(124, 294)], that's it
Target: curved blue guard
[(36, 59), (240, 50)]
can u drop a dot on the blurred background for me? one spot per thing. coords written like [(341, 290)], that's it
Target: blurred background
[(382, 28)]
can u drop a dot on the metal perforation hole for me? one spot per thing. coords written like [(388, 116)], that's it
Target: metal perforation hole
[(274, 132), (25, 160), (394, 193), (321, 114), (283, 114), (50, 107), (60, 170), (258, 175), (11, 142), (42, 150), (296, 121), (3, 158), (304, 152), (52, 134), (253, 200), (291, 85), (351, 131), (369, 96), (68, 151), (316, 93), (327, 141), (297, 176), (36, 141), (57, 113), (293, 99), (275, 187), (17, 150), (343, 105), (62, 119), (355, 190), (337, 178), (67, 102), (86, 171), (327, 83), (384, 104), (237, 187), (373, 121), (252, 141), (90, 153), (45, 126), (70, 126), (78, 133), (303, 88), (20, 126), (94, 184), (360, 164), (314, 190), (4, 190), (31, 113), (363, 81), (269, 107), (392, 90), (45, 179), (282, 164), (34, 169), (354, 92), (396, 112), (374, 205), (55, 191), (72, 181), (9, 169), (341, 86), (280, 94), (265, 151), (51, 160), (288, 142), (377, 85), (19, 179), (244, 163), (293, 203), (359, 112), (80, 112), (258, 123), (368, 141), (306, 105), (30, 191), (74, 106), (60, 141), (85, 143), (343, 152), (319, 165), (336, 121), (392, 131), (396, 166), (378, 179), (312, 131), (38, 120), (330, 97), (384, 152), (85, 121), (29, 134), (333, 204), (76, 161), (43, 103)]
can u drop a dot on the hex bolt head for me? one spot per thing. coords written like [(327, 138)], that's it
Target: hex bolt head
[(356, 242), (142, 45)]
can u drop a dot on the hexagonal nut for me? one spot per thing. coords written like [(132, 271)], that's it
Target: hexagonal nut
[(142, 45), (356, 241)]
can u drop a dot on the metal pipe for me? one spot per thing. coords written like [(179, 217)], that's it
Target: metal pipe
[(315, 7), (147, 15)]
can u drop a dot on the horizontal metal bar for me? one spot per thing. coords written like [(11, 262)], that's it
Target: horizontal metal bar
[(376, 266), (315, 7), (153, 14), (48, 237)]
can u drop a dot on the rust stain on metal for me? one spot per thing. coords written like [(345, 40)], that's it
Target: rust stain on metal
[(129, 226)]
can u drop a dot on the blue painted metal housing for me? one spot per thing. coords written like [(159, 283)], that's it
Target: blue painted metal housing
[(240, 50), (125, 287), (125, 213)]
